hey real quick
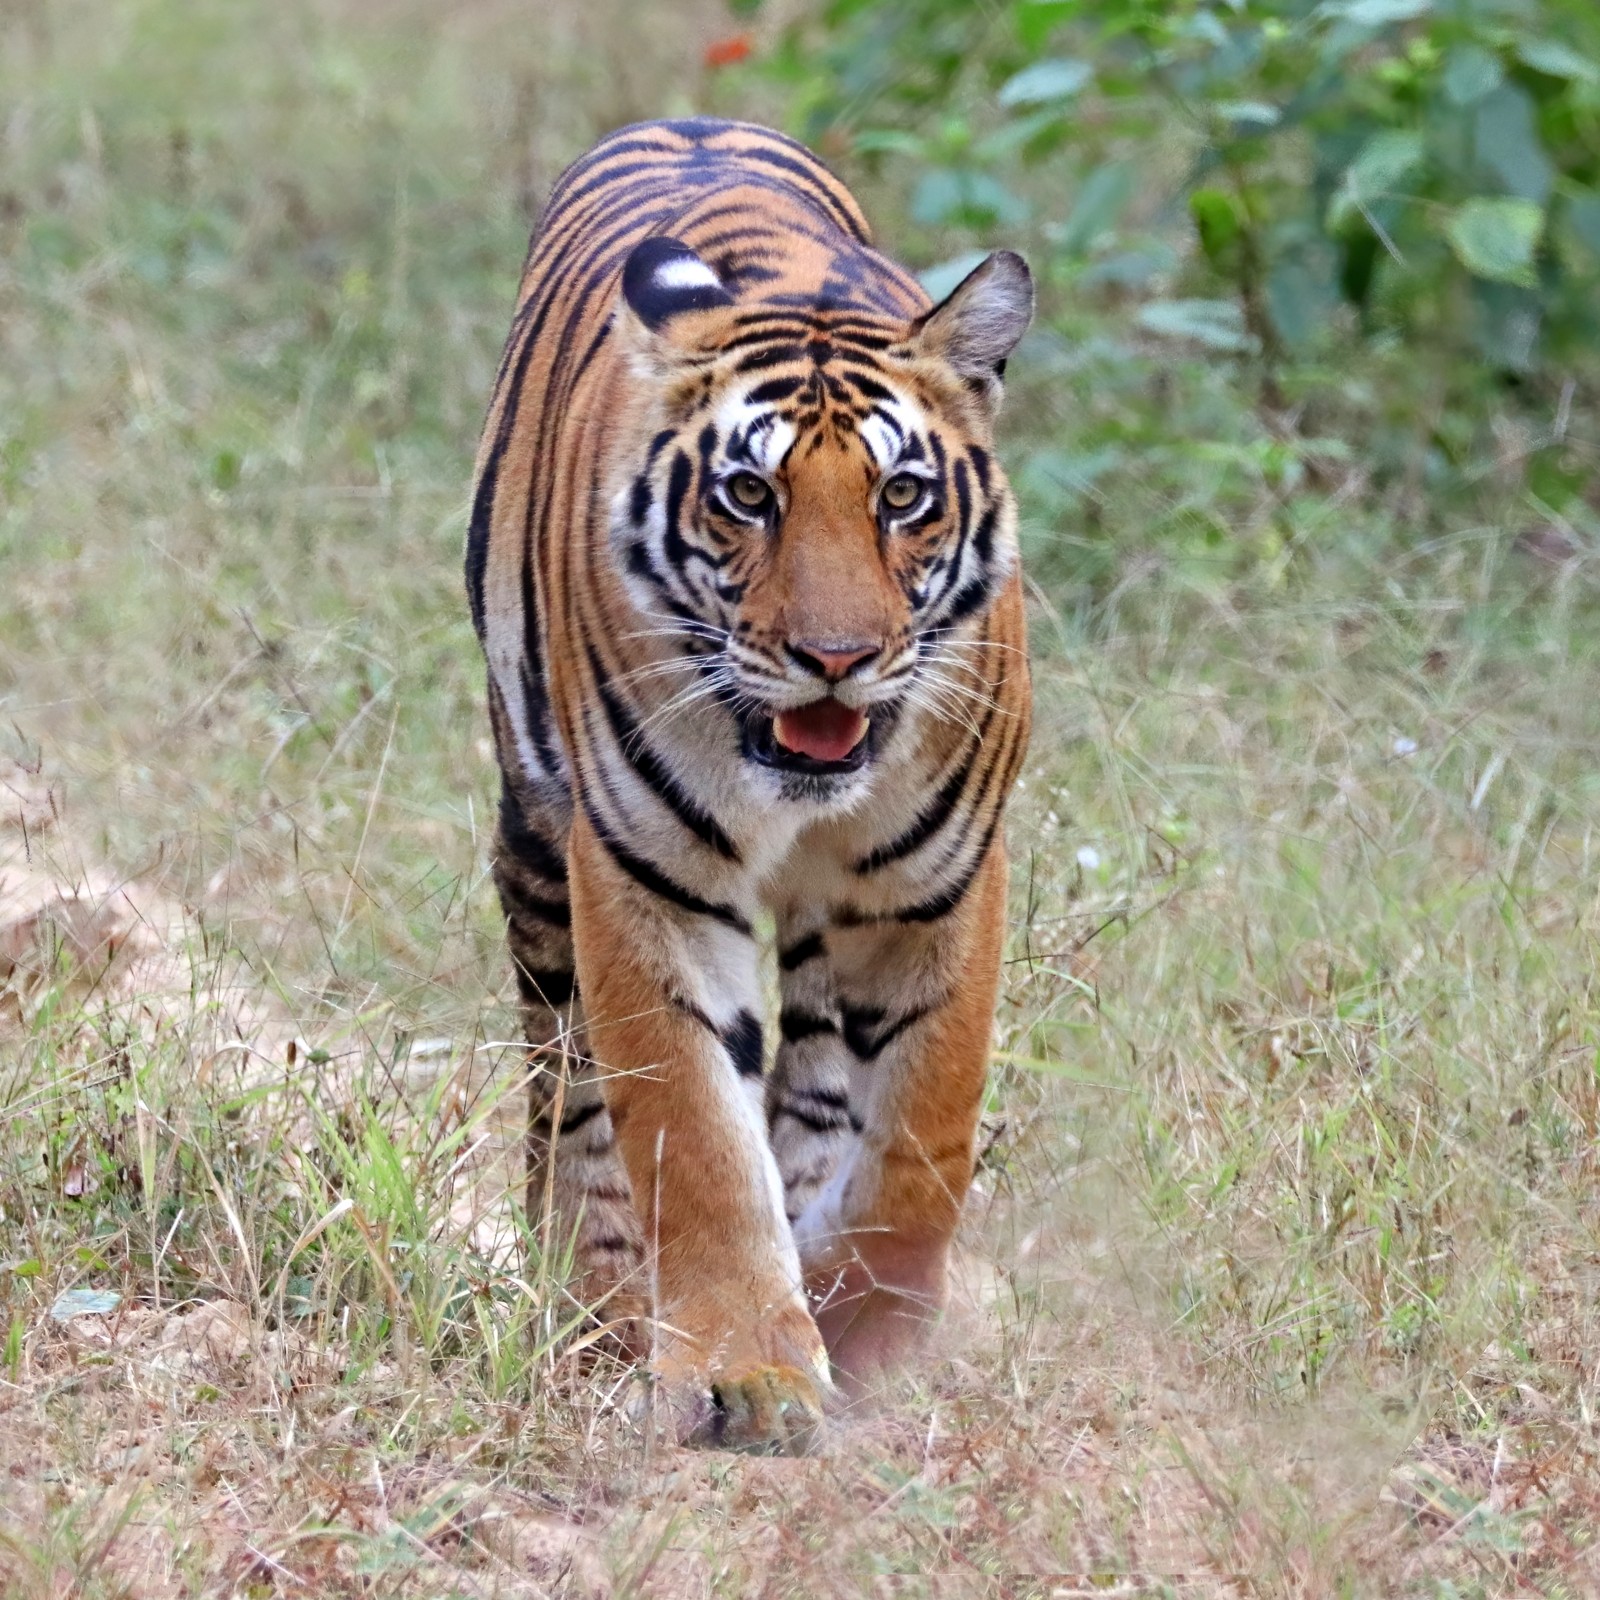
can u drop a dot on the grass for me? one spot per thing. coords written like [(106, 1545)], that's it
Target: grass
[(1281, 1275)]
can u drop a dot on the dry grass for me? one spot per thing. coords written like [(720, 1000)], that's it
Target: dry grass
[(1281, 1276)]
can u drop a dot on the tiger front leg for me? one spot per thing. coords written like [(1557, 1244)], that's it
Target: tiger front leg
[(916, 1006), (671, 988)]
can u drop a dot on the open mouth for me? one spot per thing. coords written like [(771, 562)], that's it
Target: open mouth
[(821, 738)]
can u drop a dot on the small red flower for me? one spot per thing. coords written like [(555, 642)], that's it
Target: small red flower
[(730, 51)]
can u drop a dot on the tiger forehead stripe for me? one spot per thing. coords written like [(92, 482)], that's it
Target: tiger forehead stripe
[(754, 432), (885, 432)]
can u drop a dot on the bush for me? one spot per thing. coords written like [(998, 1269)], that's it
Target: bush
[(1383, 213)]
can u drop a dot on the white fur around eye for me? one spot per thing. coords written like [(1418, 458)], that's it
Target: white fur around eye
[(882, 440), (775, 444), (684, 273)]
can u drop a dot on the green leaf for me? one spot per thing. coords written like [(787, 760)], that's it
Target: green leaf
[(889, 141), (1471, 73), (72, 1303), (1583, 211), (1497, 239), (1216, 220), (30, 1268), (1131, 269), (1557, 60), (1245, 114), (1378, 169), (1300, 301), (1377, 13), (945, 194), (1054, 78), (1506, 129), (1036, 20), (1216, 324), (1100, 201), (1383, 161)]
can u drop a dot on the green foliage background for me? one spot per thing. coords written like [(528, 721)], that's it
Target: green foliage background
[(1281, 243)]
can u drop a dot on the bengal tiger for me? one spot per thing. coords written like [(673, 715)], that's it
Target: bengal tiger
[(744, 568)]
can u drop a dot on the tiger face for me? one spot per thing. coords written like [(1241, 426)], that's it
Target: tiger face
[(809, 503)]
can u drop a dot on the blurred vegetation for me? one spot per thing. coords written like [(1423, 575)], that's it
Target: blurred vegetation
[(1297, 1081), (1284, 245)]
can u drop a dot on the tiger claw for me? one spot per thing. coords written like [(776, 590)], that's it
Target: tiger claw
[(767, 1411)]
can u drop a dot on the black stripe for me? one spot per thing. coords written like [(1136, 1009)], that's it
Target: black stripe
[(859, 1023), (972, 598), (477, 562), (797, 1025), (679, 474), (649, 876), (832, 1099), (572, 1120), (983, 539), (978, 805), (742, 1040), (801, 951), (925, 826), (518, 902), (941, 905), (530, 847), (555, 987), (652, 771), (762, 327), (689, 1009), (575, 1119), (826, 200), (772, 356), (556, 912), (773, 390), (817, 1122), (869, 387), (963, 505)]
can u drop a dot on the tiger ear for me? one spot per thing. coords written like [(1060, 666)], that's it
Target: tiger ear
[(666, 288), (978, 324)]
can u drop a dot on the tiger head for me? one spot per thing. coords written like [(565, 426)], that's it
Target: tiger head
[(808, 496)]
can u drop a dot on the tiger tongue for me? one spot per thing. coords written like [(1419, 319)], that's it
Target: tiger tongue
[(825, 730)]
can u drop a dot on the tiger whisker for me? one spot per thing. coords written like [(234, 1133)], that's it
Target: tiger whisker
[(684, 698), (919, 696), (961, 689), (663, 669), (937, 639), (927, 695)]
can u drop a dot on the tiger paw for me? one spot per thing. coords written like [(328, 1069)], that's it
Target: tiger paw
[(764, 1411), (875, 1317)]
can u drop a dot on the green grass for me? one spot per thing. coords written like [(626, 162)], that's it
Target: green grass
[(1284, 1260)]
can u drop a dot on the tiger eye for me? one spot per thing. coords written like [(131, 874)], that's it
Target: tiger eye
[(749, 492), (902, 492)]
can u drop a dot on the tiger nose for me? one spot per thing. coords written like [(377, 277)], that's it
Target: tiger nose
[(832, 659)]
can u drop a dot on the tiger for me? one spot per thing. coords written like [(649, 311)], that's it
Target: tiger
[(743, 565)]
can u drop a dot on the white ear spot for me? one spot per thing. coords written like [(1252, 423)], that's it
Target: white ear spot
[(685, 272)]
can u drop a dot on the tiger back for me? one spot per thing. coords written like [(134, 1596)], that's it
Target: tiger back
[(743, 564)]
